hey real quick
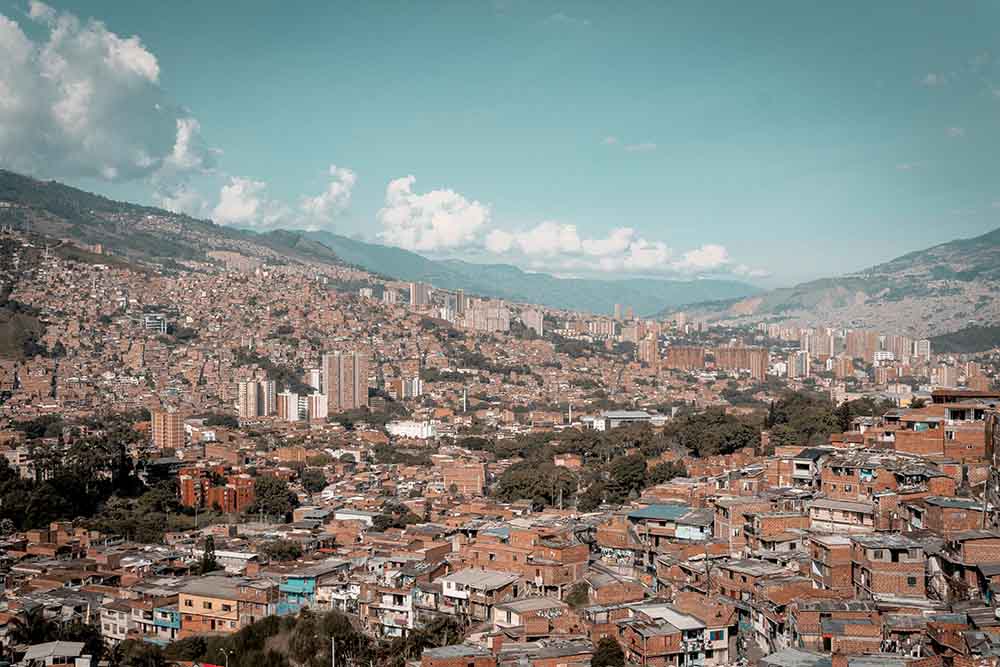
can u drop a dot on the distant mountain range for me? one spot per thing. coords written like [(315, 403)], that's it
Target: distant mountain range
[(152, 236), (945, 288), (646, 296)]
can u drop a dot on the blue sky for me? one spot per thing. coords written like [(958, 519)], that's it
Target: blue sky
[(773, 142)]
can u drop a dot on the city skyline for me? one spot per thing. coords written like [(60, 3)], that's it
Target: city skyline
[(668, 142)]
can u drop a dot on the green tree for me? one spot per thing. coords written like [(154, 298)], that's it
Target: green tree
[(281, 550), (627, 477), (579, 595), (608, 653), (313, 480), (208, 562), (272, 497)]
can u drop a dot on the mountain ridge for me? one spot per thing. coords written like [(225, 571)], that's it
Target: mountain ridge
[(943, 288), (149, 234)]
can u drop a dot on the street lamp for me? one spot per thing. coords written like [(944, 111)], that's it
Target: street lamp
[(227, 654)]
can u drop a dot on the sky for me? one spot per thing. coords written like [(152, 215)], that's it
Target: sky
[(772, 142)]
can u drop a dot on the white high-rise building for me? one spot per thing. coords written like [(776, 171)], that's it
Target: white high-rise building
[(246, 399)]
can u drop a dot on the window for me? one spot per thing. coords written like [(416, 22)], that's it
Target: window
[(877, 554), (227, 607), (716, 635), (206, 605), (188, 603), (848, 488), (911, 581)]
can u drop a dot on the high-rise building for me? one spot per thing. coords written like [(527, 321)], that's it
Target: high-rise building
[(461, 302), (842, 367), (246, 399), (685, 358), (752, 359), (420, 294), (168, 429), (267, 392), (922, 349), (649, 351), (288, 406), (390, 296), (534, 320), (618, 311), (315, 379), (345, 375), (629, 313), (316, 406), (486, 317), (900, 346), (798, 364), (863, 345)]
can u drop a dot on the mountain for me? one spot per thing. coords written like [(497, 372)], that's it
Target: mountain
[(941, 289), (509, 282), (149, 236)]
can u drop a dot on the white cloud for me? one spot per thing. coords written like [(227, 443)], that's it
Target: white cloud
[(334, 200), (565, 19), (549, 239), (245, 202), (181, 199), (708, 257), (559, 247), (638, 147), (498, 242), (955, 132), (933, 80), (82, 101), (436, 220)]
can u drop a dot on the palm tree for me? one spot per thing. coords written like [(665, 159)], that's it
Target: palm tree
[(33, 628)]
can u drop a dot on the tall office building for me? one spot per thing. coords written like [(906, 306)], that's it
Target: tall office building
[(420, 294), (461, 302), (922, 349), (168, 429), (618, 311), (345, 375), (246, 399)]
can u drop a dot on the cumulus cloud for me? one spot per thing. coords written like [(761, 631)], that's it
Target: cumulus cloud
[(245, 203), (436, 220), (555, 246), (708, 257), (181, 198), (82, 101), (334, 200)]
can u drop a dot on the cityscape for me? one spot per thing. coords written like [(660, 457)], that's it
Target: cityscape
[(250, 432)]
